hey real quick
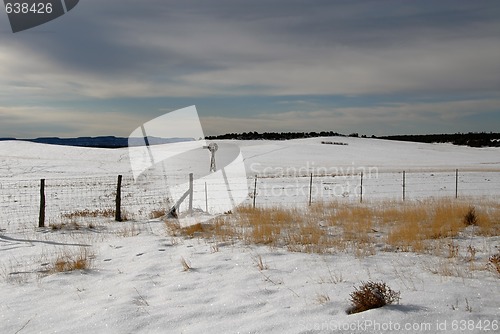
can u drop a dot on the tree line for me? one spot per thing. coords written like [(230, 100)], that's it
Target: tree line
[(472, 139)]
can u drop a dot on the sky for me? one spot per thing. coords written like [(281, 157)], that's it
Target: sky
[(371, 67)]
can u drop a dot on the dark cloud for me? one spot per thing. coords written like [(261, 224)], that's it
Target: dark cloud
[(146, 39), (253, 50)]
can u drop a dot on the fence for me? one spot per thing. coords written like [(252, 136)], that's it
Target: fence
[(401, 185), (20, 200)]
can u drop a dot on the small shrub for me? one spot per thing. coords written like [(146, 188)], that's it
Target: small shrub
[(470, 218), (372, 295), (494, 263)]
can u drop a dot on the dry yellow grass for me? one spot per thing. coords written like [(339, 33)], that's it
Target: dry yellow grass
[(157, 213), (447, 219), (438, 219), (264, 226), (489, 221), (332, 227), (69, 261)]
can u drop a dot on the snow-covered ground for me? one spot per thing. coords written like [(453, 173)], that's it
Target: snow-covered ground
[(137, 282)]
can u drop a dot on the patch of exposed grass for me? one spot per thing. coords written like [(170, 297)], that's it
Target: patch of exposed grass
[(488, 221), (157, 213), (69, 261), (418, 222), (418, 226)]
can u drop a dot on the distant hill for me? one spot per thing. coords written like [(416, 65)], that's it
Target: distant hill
[(472, 139), (102, 141)]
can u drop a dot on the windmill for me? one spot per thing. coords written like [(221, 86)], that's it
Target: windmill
[(212, 147)]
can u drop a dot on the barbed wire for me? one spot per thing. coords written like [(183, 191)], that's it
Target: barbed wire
[(20, 199)]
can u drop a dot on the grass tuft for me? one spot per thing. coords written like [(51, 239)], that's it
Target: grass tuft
[(67, 261)]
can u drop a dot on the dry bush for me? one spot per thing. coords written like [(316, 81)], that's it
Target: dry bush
[(372, 295), (494, 263), (68, 261), (470, 217)]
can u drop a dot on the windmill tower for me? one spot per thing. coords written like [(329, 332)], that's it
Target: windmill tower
[(212, 147)]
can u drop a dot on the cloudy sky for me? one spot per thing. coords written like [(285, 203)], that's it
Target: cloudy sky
[(373, 67)]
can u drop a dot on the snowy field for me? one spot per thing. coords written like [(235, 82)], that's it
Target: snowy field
[(137, 283)]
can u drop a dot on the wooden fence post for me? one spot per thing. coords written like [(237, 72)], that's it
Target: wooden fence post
[(404, 185), (456, 183), (118, 212), (254, 191), (361, 189), (41, 216)]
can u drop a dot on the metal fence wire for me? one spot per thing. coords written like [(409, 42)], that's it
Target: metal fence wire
[(64, 197)]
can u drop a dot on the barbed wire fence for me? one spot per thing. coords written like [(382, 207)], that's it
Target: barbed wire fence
[(20, 200)]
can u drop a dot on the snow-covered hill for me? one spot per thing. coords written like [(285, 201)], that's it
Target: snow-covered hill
[(137, 283), (26, 160)]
